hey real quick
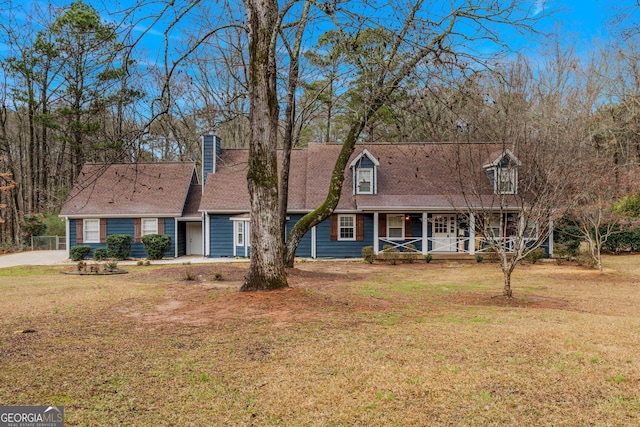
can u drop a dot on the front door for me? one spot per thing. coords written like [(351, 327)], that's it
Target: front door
[(194, 238), (444, 233)]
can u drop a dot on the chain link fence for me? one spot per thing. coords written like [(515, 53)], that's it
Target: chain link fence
[(48, 243)]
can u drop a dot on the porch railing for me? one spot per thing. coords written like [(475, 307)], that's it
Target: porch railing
[(459, 244)]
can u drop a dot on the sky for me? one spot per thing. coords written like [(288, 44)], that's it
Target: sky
[(578, 22)]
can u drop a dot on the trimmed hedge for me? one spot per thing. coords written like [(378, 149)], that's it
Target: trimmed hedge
[(100, 254), (119, 246), (156, 245), (368, 254), (79, 252)]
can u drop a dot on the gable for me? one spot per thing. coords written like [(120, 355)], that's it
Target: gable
[(130, 189)]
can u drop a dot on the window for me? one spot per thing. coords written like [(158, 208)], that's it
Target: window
[(364, 181), (531, 230), (505, 180), (493, 227), (149, 226), (346, 227), (395, 226), (239, 233), (91, 231)]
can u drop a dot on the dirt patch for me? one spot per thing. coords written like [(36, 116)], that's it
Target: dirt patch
[(200, 295), (492, 299)]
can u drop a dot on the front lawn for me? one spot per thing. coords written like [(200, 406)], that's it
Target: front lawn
[(348, 344)]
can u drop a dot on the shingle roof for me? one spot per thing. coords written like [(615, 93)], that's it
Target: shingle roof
[(410, 175), (226, 190), (130, 189)]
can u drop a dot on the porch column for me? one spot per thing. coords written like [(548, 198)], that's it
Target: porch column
[(550, 239), (207, 243), (247, 243), (376, 234), (314, 252), (425, 232), (472, 234), (67, 236), (175, 236)]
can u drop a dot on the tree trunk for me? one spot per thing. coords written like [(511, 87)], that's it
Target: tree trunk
[(266, 270), (507, 293)]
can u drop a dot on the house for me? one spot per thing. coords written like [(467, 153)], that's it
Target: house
[(136, 199), (394, 194)]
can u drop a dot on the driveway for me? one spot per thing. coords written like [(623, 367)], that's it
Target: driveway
[(33, 258)]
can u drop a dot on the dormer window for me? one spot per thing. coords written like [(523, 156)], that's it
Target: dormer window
[(364, 181), (364, 168), (503, 172), (505, 182)]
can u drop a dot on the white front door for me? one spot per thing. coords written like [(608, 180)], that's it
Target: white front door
[(444, 233), (194, 238)]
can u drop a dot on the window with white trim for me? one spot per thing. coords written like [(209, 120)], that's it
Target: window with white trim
[(239, 233), (346, 227), (91, 230), (531, 230), (505, 180), (395, 227), (364, 181), (149, 226), (494, 226)]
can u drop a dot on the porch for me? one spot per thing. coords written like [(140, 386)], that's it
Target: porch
[(447, 234)]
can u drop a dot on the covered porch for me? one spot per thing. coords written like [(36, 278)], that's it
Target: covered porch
[(444, 233)]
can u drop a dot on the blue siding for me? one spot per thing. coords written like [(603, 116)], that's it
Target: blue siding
[(220, 236), (327, 248), (304, 249), (126, 226), (211, 149)]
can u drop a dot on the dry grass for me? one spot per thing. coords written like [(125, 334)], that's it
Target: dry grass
[(349, 344)]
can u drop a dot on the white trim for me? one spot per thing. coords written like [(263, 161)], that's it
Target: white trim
[(550, 239), (314, 249), (425, 233), (84, 230), (357, 180), (367, 153), (353, 227), (497, 160), (376, 233), (128, 215), (207, 234), (497, 180), (175, 237), (247, 238), (472, 233), (402, 221), (147, 220), (67, 237)]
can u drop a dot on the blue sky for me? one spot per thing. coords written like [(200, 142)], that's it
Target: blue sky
[(576, 21)]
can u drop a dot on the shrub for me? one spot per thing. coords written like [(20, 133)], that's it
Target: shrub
[(411, 253), (368, 254), (111, 266), (79, 252), (156, 245), (586, 260), (535, 255), (100, 254), (32, 225), (562, 252), (188, 275), (428, 258), (479, 258), (391, 254), (119, 246)]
